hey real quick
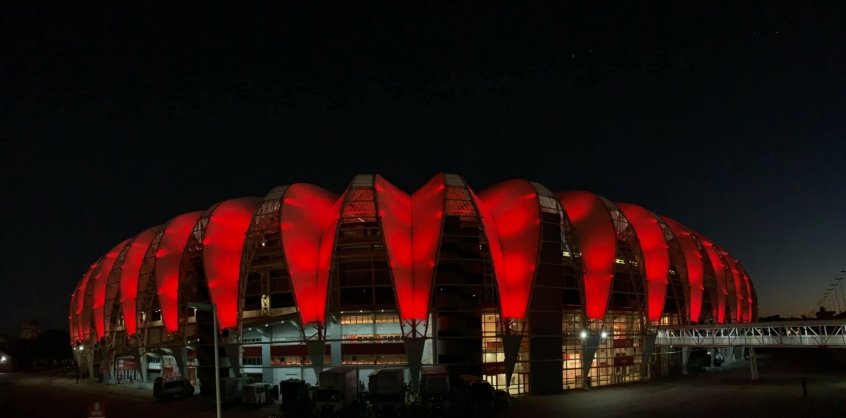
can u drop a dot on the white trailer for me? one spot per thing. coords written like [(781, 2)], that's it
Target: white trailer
[(338, 388), (387, 391)]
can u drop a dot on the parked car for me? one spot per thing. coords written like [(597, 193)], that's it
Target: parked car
[(501, 398), (172, 387)]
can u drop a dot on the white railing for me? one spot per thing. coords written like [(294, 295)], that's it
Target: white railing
[(810, 333)]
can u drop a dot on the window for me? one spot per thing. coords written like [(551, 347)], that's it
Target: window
[(252, 361)]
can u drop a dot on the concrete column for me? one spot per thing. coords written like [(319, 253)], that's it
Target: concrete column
[(753, 364), (333, 333), (414, 354), (511, 348), (316, 353), (180, 356), (685, 358), (110, 365), (589, 346), (79, 358), (233, 354), (648, 348), (89, 357), (267, 368), (141, 363)]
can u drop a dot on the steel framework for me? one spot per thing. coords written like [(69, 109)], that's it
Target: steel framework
[(440, 260), (797, 334)]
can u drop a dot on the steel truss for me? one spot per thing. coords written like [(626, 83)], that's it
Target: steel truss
[(815, 333)]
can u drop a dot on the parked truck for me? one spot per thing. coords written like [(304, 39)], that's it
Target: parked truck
[(435, 395), (475, 396), (387, 391), (232, 389), (337, 390), (294, 394), (257, 394)]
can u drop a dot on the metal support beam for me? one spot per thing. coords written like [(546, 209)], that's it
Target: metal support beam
[(816, 333)]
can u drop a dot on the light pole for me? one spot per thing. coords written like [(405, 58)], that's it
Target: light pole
[(833, 294), (209, 307), (839, 282)]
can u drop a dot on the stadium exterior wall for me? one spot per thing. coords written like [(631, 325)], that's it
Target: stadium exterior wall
[(504, 283)]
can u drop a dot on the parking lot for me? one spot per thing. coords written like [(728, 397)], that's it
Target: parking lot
[(724, 393)]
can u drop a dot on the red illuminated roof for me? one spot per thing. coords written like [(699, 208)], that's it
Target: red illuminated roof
[(511, 215), (129, 277), (720, 271), (507, 217), (656, 255), (596, 238), (308, 220), (693, 267), (223, 247), (168, 263), (412, 261)]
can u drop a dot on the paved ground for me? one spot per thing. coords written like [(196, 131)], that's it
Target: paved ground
[(47, 395), (726, 393)]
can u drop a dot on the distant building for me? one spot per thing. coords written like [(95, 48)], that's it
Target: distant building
[(6, 346), (30, 330)]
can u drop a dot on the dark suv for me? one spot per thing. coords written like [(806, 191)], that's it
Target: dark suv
[(172, 387)]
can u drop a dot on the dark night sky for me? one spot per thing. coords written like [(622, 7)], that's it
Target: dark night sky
[(728, 118)]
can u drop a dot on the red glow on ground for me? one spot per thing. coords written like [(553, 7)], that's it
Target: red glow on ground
[(596, 239), (223, 246), (656, 256)]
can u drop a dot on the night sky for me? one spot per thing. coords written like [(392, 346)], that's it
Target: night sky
[(730, 119)]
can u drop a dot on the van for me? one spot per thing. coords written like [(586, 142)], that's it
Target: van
[(172, 387)]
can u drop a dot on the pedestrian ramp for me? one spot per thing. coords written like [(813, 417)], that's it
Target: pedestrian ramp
[(827, 333)]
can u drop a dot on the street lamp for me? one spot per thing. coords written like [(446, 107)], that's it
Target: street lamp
[(209, 307), (838, 281), (834, 296)]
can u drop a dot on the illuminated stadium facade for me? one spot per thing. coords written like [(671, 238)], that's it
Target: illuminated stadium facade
[(515, 284)]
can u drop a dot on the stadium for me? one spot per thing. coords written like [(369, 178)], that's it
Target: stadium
[(536, 292)]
